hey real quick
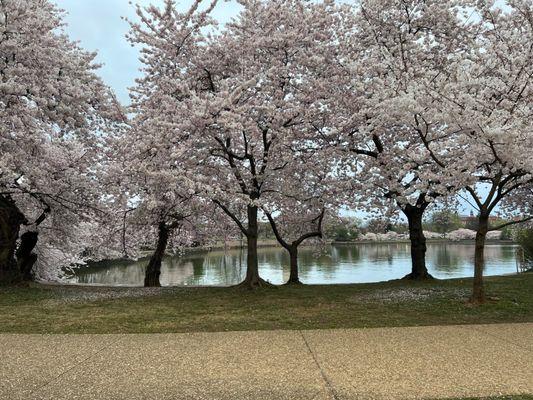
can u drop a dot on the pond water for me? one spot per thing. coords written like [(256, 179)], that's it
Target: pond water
[(350, 263)]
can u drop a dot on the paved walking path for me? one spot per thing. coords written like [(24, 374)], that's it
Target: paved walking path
[(384, 363)]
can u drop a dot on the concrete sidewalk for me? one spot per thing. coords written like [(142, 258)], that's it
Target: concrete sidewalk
[(385, 363)]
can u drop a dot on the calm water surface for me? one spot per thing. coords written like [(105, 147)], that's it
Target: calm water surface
[(340, 264)]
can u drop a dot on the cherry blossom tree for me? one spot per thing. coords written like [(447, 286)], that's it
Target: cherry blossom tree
[(260, 136), (239, 98), (391, 52), (487, 108), (153, 171), (54, 111)]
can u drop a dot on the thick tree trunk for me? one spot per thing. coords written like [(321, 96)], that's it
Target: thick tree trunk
[(10, 221), (153, 270), (294, 279), (25, 256), (252, 279), (418, 242), (478, 292)]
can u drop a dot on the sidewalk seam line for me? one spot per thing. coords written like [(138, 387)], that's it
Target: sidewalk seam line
[(328, 385), (74, 366)]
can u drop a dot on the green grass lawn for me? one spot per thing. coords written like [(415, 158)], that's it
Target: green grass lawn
[(71, 309)]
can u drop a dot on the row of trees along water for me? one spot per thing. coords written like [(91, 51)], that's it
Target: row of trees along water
[(288, 113)]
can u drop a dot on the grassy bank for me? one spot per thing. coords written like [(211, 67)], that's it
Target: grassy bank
[(71, 309)]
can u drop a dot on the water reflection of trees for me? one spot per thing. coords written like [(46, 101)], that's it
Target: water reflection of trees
[(450, 258), (375, 252), (346, 253), (217, 267), (346, 262), (442, 258), (121, 273), (174, 272), (507, 253)]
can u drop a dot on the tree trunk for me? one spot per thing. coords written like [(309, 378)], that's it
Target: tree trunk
[(25, 256), (10, 221), (252, 279), (418, 242), (153, 270), (478, 292), (294, 279)]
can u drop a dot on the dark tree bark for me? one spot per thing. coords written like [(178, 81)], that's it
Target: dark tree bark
[(25, 256), (252, 279), (294, 278), (414, 216), (153, 270), (478, 292), (10, 221)]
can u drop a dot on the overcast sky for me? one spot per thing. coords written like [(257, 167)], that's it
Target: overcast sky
[(98, 26)]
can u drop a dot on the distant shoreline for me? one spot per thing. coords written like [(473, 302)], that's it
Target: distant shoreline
[(236, 244), (440, 240), (273, 243)]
